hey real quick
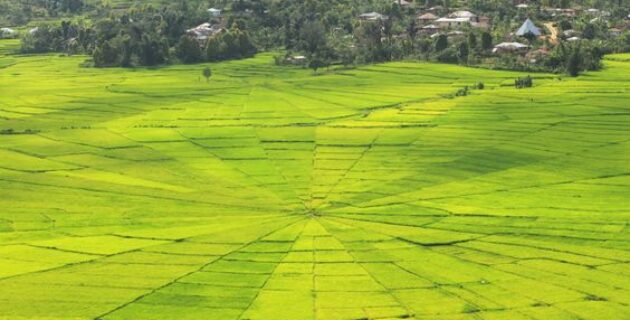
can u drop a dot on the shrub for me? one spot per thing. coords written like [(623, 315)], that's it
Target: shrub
[(526, 82), (449, 55)]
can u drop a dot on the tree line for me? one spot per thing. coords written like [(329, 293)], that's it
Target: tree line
[(140, 37), (14, 13), (326, 32)]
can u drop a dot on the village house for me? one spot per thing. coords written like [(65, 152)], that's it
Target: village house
[(459, 19), (214, 12), (7, 33), (446, 23), (402, 3), (435, 10), (615, 32), (569, 33), (463, 14), (204, 31), (528, 27), (427, 18), (561, 12), (373, 16), (430, 29), (456, 33), (482, 22), (296, 60), (510, 47), (597, 12)]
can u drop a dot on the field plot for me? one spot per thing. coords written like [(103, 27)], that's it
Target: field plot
[(273, 194)]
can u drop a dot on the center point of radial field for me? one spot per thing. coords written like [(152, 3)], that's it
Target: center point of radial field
[(312, 213)]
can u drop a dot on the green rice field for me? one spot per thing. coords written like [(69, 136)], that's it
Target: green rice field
[(270, 193)]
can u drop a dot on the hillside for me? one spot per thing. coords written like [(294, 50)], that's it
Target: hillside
[(270, 193)]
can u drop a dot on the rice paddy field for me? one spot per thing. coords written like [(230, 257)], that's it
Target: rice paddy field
[(273, 194)]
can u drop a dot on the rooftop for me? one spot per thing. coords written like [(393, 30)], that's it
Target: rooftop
[(528, 27)]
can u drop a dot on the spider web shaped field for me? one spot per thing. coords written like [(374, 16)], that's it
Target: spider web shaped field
[(273, 194)]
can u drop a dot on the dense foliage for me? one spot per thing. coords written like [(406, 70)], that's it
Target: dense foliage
[(14, 12), (324, 32)]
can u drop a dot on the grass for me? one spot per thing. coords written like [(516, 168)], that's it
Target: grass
[(270, 193)]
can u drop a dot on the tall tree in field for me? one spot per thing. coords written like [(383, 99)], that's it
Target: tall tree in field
[(316, 63), (207, 73)]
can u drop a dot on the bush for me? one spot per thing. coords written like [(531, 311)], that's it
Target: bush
[(449, 55), (462, 92), (526, 82)]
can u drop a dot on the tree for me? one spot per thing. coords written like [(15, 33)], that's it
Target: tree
[(313, 37), (486, 41), (565, 24), (347, 56), (441, 43), (153, 50), (246, 47), (589, 31), (106, 55), (315, 63), (412, 32), (472, 41), (72, 5), (462, 52), (213, 49), (229, 46), (207, 73), (369, 37), (448, 55), (573, 63), (526, 82), (530, 37), (127, 52), (188, 50)]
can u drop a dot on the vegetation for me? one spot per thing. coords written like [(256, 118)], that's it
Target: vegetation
[(137, 38), (207, 73), (525, 82), (356, 194), (326, 32), (376, 170)]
